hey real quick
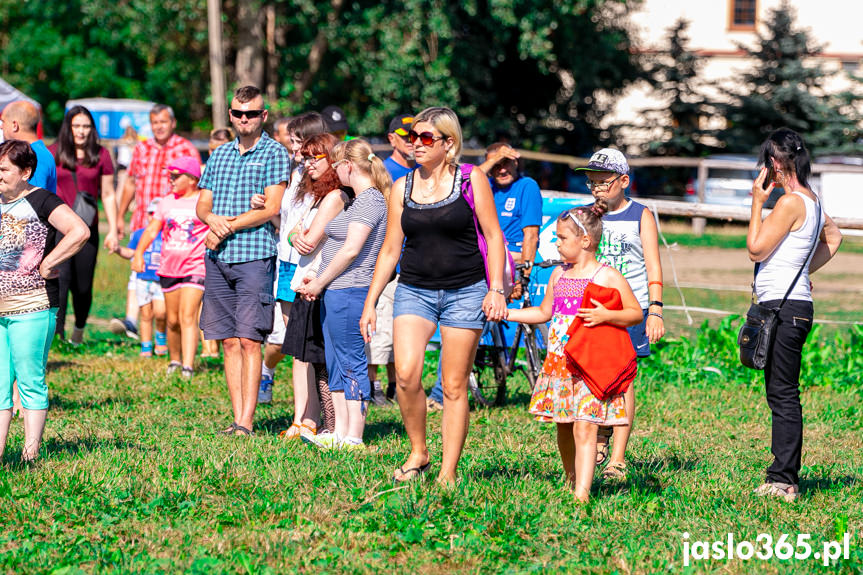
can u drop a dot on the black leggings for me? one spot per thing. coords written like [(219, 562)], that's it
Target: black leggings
[(76, 276)]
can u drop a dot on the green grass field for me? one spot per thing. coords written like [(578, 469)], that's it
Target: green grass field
[(134, 480)]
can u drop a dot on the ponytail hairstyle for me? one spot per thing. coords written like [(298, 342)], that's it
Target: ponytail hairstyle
[(360, 154), (788, 149), (587, 220), (329, 181)]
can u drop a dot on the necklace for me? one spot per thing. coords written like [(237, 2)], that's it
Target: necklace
[(430, 189)]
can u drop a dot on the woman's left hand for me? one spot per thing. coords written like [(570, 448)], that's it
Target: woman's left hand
[(593, 315), (494, 306), (111, 242), (47, 271)]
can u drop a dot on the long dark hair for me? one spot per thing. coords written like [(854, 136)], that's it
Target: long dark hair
[(789, 150), (66, 155)]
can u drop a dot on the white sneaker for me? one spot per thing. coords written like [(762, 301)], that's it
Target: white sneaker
[(324, 440), (352, 444)]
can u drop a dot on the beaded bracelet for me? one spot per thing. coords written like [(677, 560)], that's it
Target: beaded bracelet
[(659, 283), (659, 315)]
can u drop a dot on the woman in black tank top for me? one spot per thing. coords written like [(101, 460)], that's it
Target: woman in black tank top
[(443, 282)]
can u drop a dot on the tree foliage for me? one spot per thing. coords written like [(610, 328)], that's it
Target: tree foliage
[(673, 73), (786, 87), (56, 51)]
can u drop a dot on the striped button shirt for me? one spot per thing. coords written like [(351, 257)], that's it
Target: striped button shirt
[(149, 168), (234, 178)]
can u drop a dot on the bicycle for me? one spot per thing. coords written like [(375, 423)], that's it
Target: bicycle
[(495, 362)]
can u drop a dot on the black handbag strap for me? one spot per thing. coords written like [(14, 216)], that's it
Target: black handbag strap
[(803, 265)]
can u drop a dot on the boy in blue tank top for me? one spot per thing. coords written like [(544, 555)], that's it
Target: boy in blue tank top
[(630, 244)]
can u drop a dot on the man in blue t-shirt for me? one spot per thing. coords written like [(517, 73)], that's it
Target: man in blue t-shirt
[(518, 201), (402, 159), (20, 120)]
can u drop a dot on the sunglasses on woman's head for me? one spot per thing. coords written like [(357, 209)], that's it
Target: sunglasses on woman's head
[(427, 138), (250, 114)]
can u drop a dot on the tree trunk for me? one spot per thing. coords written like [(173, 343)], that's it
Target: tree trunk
[(249, 67)]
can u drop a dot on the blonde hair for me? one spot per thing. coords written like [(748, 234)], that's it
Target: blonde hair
[(360, 154), (446, 122)]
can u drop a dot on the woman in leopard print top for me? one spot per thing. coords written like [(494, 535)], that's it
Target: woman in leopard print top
[(30, 219)]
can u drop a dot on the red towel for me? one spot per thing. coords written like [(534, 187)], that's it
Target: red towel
[(602, 355)]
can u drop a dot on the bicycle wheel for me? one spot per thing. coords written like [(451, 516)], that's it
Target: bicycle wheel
[(488, 384), (487, 381), (535, 341)]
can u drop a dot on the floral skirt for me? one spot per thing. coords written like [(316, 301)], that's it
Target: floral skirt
[(561, 397)]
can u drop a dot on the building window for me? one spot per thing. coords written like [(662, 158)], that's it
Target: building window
[(743, 14)]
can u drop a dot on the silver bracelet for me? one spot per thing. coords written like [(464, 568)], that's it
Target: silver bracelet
[(497, 290)]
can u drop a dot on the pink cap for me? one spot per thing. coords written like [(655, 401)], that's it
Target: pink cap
[(186, 165)]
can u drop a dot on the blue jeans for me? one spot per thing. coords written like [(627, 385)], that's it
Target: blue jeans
[(344, 346)]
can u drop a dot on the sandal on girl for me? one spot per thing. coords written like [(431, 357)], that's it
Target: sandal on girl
[(308, 431), (286, 433), (602, 437), (615, 471)]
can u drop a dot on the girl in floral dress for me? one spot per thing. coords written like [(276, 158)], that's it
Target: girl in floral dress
[(561, 396)]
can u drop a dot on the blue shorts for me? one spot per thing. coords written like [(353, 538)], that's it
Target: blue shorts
[(638, 336), (25, 361), (460, 307), (344, 346), (238, 299), (284, 277)]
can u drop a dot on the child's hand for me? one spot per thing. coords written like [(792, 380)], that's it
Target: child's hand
[(593, 316), (138, 263), (258, 201)]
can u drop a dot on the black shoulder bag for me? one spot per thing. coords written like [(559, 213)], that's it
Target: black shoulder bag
[(757, 332), (85, 206)]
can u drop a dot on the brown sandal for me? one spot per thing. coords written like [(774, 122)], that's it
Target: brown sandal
[(615, 471), (602, 438)]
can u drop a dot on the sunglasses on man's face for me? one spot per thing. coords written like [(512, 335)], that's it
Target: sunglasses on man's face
[(427, 138), (250, 114)]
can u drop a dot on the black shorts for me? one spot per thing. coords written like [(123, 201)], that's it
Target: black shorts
[(171, 284)]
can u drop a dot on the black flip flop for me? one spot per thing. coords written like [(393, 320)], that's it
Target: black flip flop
[(240, 430), (417, 473), (229, 430)]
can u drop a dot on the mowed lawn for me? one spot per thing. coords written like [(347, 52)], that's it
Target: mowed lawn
[(135, 480)]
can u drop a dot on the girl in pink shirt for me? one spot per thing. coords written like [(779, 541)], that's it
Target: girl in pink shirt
[(181, 272)]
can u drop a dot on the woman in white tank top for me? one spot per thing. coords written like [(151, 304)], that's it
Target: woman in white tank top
[(781, 244)]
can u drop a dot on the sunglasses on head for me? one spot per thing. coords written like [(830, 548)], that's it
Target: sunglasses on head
[(427, 138), (250, 114)]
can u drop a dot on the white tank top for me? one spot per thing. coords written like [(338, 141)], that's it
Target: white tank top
[(776, 273), (290, 213)]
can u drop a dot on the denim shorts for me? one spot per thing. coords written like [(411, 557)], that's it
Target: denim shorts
[(238, 300), (461, 307)]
